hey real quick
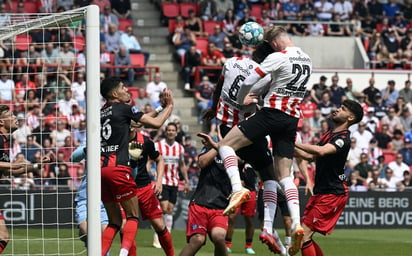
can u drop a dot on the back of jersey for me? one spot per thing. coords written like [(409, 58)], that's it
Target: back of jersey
[(230, 111), (290, 71)]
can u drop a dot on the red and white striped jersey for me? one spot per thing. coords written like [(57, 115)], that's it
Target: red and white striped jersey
[(374, 153), (290, 71), (230, 111), (171, 154)]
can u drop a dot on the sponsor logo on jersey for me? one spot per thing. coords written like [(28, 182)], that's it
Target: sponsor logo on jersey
[(339, 143), (134, 110), (246, 71)]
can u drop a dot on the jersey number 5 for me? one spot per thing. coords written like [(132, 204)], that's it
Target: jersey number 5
[(106, 129), (234, 88), (299, 70)]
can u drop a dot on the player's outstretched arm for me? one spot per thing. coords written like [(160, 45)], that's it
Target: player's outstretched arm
[(316, 150), (303, 168), (157, 186), (157, 122)]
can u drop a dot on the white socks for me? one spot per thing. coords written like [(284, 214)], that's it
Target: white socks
[(229, 158), (168, 218), (292, 197), (270, 204)]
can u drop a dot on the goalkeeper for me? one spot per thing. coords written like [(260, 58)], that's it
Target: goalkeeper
[(78, 155)]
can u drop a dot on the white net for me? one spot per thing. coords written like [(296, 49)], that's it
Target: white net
[(43, 82)]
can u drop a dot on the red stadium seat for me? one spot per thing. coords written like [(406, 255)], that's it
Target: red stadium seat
[(185, 7), (256, 11), (22, 42), (170, 10), (171, 25), (201, 43), (209, 26), (134, 91), (389, 156), (79, 43), (124, 23), (30, 7), (137, 61)]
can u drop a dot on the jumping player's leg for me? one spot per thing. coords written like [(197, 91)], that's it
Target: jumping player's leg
[(232, 142)]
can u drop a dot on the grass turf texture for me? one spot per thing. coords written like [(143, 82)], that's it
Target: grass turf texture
[(343, 242)]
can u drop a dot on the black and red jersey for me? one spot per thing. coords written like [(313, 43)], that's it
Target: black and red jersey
[(214, 187), (4, 149), (330, 177), (149, 151), (115, 127)]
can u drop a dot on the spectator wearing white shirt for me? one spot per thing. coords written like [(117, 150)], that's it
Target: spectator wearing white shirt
[(154, 88), (20, 135), (7, 88), (371, 120), (362, 137), (344, 9), (390, 182), (129, 40), (78, 91), (324, 10), (65, 105), (398, 167), (354, 153)]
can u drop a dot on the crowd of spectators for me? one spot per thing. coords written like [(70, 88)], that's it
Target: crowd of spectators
[(384, 28), (43, 80)]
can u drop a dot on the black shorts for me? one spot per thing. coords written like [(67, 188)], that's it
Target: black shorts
[(257, 154), (169, 193), (279, 126)]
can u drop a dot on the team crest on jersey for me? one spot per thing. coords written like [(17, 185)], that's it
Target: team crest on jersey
[(194, 226), (134, 110), (339, 143)]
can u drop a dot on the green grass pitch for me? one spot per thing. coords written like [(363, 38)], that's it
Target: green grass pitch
[(343, 242)]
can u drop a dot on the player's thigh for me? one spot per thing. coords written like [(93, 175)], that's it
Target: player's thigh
[(235, 139), (114, 213), (282, 166), (131, 207)]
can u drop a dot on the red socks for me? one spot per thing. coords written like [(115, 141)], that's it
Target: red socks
[(107, 237), (129, 232), (165, 240), (311, 248)]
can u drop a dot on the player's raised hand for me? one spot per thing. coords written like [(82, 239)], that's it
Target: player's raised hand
[(209, 114), (251, 98), (167, 98), (207, 141)]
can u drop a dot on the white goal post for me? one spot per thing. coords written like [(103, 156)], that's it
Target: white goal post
[(49, 234)]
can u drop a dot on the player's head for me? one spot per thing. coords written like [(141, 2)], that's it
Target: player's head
[(350, 111), (278, 38), (262, 51), (113, 88), (8, 120), (171, 131)]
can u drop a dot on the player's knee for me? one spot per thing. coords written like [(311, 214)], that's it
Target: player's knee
[(218, 237), (197, 240)]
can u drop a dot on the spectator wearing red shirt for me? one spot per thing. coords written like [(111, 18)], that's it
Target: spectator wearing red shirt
[(213, 58), (307, 106), (24, 85)]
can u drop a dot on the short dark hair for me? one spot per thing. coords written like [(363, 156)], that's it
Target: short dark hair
[(107, 86), (355, 108), (262, 51), (3, 108)]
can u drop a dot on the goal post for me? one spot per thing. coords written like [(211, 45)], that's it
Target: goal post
[(40, 217)]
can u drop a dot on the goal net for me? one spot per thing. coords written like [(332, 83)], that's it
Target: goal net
[(46, 63)]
